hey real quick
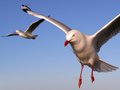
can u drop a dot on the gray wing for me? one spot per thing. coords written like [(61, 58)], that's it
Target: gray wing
[(12, 34), (58, 24), (107, 32), (34, 25)]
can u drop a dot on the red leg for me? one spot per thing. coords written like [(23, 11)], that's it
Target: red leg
[(92, 76), (80, 79)]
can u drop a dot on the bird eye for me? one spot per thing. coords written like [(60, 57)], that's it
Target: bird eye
[(73, 35)]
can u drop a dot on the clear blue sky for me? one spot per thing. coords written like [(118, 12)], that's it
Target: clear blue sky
[(44, 63)]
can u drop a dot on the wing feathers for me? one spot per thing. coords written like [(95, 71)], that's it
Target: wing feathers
[(58, 24), (107, 32), (34, 25), (13, 34)]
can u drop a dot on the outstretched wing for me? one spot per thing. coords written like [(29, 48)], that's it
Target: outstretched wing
[(34, 25), (58, 24), (12, 34), (107, 32)]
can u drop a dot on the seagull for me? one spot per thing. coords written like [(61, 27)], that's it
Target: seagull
[(27, 33), (85, 47)]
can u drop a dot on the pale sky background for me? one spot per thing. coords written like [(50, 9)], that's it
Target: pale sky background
[(44, 63)]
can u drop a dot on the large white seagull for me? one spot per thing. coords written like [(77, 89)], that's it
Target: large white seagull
[(85, 47)]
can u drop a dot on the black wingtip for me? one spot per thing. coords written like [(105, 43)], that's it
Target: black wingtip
[(25, 8)]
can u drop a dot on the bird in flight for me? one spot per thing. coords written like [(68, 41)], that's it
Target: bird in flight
[(27, 33), (85, 47)]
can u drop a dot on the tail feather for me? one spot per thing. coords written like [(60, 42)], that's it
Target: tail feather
[(101, 66), (34, 37)]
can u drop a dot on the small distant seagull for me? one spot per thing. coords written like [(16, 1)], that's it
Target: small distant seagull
[(28, 33)]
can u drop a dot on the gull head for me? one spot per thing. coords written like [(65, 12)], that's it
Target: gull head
[(72, 37), (17, 31)]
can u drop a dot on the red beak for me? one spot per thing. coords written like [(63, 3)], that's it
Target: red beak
[(66, 43)]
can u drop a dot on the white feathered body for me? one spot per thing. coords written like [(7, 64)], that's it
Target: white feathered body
[(84, 49)]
